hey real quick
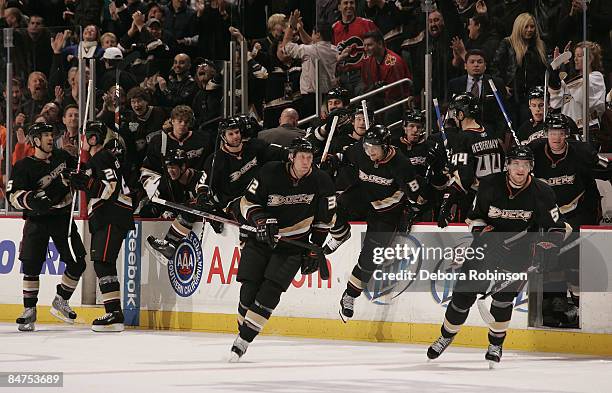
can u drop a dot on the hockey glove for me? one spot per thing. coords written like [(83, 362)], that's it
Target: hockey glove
[(267, 229), (216, 226), (446, 214), (204, 203), (554, 81), (80, 180), (39, 201), (311, 262), (407, 217), (344, 116), (436, 157)]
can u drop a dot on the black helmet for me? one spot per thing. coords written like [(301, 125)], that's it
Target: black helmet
[(340, 94), (520, 153), (378, 135), (536, 92), (37, 129), (97, 129), (231, 123), (250, 127), (301, 145), (414, 116), (175, 157), (466, 103), (558, 121)]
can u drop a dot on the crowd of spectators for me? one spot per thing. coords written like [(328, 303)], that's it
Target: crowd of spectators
[(169, 53)]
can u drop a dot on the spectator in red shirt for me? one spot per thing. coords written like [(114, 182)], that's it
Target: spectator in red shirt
[(382, 66)]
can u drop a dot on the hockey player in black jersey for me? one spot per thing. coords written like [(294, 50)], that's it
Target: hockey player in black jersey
[(180, 137), (570, 169), (181, 185), (506, 205), (533, 129), (294, 200), (386, 191), (476, 153), (38, 188), (236, 162), (337, 106), (110, 218), (428, 157)]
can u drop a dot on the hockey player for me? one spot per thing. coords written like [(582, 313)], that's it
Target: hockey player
[(294, 200), (39, 189), (110, 218), (153, 171), (180, 185), (428, 158), (337, 105), (477, 152), (533, 129), (386, 190), (514, 202), (570, 169)]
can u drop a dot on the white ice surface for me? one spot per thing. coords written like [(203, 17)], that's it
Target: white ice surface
[(170, 361)]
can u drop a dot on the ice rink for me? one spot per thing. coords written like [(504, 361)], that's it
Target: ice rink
[(171, 361)]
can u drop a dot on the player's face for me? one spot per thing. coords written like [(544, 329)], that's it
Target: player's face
[(412, 132), (334, 103), (360, 124), (174, 171), (518, 171), (180, 126), (536, 106), (375, 152), (46, 142), (302, 162), (233, 138), (556, 139)]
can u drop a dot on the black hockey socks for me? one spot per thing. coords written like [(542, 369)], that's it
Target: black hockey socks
[(109, 285), (501, 309), (260, 311), (179, 230), (70, 278), (31, 285), (456, 313)]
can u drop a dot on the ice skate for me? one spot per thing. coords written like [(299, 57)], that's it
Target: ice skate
[(239, 348), (162, 249), (25, 323), (347, 307), (61, 310), (493, 355), (109, 322), (439, 346)]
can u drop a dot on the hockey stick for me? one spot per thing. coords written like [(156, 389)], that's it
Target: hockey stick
[(364, 108), (329, 138), (228, 221), (503, 110), (80, 142)]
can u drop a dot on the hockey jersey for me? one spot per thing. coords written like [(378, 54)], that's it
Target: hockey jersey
[(348, 34), (234, 171), (108, 196), (301, 206), (31, 174)]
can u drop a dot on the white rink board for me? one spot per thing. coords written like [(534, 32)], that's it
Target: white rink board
[(308, 297)]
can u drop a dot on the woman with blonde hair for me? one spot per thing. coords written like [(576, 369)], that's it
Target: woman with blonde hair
[(567, 94), (521, 62)]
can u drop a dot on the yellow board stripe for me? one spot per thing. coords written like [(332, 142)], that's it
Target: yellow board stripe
[(532, 340)]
